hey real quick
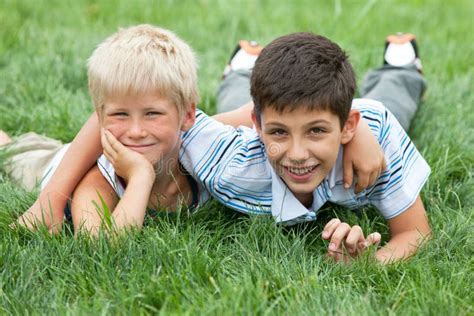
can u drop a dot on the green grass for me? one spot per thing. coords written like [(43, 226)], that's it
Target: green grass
[(218, 262)]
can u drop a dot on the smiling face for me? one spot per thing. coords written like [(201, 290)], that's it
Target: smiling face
[(148, 124), (302, 145)]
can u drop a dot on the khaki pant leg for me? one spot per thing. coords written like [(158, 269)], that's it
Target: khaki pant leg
[(29, 156)]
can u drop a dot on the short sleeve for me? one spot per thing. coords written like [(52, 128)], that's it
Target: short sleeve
[(229, 163), (407, 171)]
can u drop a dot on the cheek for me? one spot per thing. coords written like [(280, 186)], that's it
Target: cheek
[(117, 129), (329, 150), (167, 134), (275, 150)]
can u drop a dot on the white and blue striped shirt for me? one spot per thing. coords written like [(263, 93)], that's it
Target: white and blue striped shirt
[(232, 165)]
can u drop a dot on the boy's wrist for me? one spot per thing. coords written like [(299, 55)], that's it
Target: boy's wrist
[(143, 176)]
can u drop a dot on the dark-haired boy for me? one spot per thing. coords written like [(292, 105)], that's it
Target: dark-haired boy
[(302, 86)]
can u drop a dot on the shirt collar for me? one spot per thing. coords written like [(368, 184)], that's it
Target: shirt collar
[(337, 173), (286, 207)]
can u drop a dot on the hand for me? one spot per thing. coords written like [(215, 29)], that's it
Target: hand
[(364, 157), (48, 210), (347, 242), (126, 162)]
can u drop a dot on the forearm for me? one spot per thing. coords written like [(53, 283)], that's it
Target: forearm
[(238, 117), (402, 246), (80, 156), (408, 232), (131, 210)]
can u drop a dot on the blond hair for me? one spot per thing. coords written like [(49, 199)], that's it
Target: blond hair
[(143, 59)]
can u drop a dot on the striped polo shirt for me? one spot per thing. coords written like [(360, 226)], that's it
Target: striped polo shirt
[(232, 165)]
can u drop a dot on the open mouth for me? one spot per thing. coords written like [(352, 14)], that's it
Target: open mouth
[(300, 173)]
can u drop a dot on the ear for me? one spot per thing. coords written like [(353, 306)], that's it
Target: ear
[(256, 122), (189, 118), (350, 127)]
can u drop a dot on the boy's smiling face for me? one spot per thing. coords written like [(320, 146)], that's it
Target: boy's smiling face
[(302, 145), (148, 124)]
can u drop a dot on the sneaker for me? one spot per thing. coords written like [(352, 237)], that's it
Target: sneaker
[(401, 50), (244, 56)]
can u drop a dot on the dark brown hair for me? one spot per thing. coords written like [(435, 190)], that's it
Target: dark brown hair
[(303, 70)]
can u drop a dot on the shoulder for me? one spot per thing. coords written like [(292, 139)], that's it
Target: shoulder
[(371, 110), (367, 103), (107, 174), (94, 182), (209, 145), (375, 114)]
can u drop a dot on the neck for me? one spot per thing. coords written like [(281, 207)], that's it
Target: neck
[(171, 187), (167, 174), (305, 198)]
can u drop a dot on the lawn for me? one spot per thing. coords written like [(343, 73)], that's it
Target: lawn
[(216, 261)]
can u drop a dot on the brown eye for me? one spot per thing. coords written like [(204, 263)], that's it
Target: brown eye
[(317, 131), (278, 132)]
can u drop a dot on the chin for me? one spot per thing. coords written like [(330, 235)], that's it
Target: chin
[(298, 189)]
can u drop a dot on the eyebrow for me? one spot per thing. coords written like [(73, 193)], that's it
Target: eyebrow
[(115, 108), (317, 122), (307, 124), (154, 108)]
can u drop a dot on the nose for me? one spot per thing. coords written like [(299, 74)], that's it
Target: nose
[(136, 129), (297, 151)]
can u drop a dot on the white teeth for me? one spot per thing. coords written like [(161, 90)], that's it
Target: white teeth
[(300, 171)]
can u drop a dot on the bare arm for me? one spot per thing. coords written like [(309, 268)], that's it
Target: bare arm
[(408, 231), (81, 155), (87, 207), (94, 190), (364, 157), (238, 117), (139, 174)]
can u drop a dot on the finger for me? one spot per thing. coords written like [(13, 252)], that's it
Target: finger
[(384, 165), (114, 143), (108, 151), (331, 222), (334, 256), (355, 236), (104, 140), (362, 181), (373, 177), (109, 157), (348, 173), (373, 239), (338, 236), (330, 227)]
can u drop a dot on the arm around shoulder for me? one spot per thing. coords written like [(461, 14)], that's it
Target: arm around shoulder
[(80, 156), (237, 117)]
